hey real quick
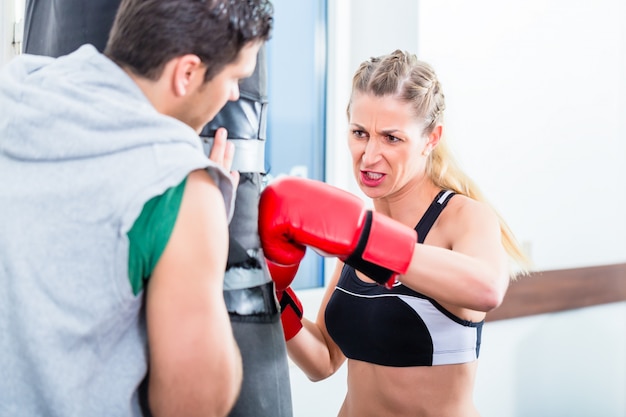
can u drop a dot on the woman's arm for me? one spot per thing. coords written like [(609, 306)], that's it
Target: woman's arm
[(470, 267), (311, 348)]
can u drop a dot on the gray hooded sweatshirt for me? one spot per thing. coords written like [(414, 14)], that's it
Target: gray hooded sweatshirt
[(81, 151)]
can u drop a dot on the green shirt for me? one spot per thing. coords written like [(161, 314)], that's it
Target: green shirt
[(150, 234)]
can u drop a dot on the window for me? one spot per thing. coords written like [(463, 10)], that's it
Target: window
[(296, 57)]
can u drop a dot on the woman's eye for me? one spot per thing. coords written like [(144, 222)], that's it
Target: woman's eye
[(393, 139), (358, 133)]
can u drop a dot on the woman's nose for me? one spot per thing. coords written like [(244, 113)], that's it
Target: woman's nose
[(371, 153)]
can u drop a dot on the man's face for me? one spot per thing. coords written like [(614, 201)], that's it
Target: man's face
[(203, 104)]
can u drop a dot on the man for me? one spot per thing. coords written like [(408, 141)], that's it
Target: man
[(57, 27), (111, 201)]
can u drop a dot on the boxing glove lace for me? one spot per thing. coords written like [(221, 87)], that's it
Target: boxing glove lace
[(290, 312)]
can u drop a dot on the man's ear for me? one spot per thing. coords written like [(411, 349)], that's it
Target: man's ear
[(188, 73)]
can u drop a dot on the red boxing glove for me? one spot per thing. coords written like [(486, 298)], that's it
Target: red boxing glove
[(282, 275), (290, 312), (295, 213)]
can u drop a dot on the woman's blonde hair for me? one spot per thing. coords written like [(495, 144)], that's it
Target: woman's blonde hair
[(401, 74)]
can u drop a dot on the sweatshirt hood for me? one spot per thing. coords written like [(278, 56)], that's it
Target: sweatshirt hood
[(42, 97)]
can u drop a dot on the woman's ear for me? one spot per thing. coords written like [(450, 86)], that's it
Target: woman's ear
[(433, 140), (188, 73)]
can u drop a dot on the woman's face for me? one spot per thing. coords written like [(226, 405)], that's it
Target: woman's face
[(387, 145)]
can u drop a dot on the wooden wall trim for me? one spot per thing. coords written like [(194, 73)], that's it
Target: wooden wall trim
[(563, 289)]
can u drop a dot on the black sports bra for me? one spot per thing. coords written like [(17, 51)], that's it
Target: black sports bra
[(399, 326)]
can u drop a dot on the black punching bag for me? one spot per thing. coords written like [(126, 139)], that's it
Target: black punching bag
[(245, 120), (58, 27), (248, 290)]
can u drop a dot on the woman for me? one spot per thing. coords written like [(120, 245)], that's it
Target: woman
[(412, 347)]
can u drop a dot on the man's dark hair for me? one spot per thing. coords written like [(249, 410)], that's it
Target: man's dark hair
[(146, 34)]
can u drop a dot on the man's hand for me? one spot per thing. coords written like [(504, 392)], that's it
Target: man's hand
[(223, 152)]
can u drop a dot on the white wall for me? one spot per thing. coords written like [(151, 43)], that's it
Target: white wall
[(7, 18), (537, 112), (569, 364), (536, 95)]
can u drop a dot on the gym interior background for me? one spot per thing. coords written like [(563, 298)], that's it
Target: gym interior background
[(536, 95)]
